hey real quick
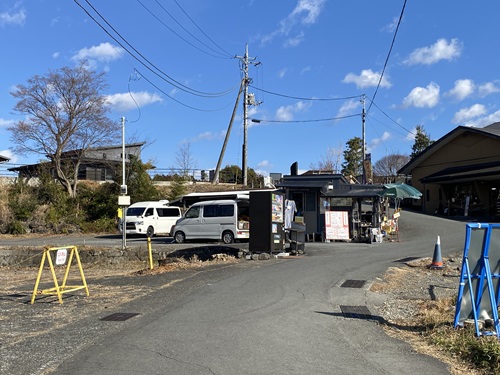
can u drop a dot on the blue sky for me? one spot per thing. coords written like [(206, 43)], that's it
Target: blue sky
[(182, 84)]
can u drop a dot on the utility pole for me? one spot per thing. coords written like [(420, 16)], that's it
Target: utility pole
[(363, 142), (246, 81)]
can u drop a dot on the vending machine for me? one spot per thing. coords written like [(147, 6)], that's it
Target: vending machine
[(267, 220)]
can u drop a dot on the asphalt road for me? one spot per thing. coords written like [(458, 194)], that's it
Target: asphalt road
[(265, 317)]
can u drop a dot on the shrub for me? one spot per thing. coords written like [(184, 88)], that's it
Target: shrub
[(15, 227), (102, 225)]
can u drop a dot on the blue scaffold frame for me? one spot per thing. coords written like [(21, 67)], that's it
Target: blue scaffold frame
[(479, 281)]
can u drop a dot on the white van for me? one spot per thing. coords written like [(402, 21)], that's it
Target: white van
[(226, 220), (150, 218)]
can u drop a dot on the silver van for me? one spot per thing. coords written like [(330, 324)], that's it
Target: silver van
[(224, 220), (150, 218)]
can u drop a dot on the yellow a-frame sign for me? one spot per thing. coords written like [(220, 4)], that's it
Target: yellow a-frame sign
[(61, 257)]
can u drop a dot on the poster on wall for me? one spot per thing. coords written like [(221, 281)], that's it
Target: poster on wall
[(336, 225), (277, 208)]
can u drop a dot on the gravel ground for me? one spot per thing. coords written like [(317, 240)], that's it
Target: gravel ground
[(413, 283), (412, 290)]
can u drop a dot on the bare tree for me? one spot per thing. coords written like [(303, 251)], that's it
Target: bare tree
[(386, 169), (184, 160), (330, 161), (63, 111)]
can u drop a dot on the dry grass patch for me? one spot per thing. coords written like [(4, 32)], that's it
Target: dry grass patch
[(176, 264)]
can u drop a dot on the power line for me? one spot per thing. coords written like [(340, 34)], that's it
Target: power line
[(178, 101), (194, 23), (311, 99), (394, 121), (168, 79), (302, 121), (187, 31), (387, 58)]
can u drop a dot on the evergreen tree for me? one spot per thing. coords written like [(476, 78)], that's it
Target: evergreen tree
[(422, 141), (232, 174), (353, 158), (139, 184), (177, 187)]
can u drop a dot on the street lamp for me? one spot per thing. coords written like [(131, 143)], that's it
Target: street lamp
[(123, 199)]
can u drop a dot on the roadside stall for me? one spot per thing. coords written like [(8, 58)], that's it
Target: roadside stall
[(352, 214), (394, 192)]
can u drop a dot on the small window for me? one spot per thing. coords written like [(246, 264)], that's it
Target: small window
[(104, 156), (226, 210), (167, 212), (193, 213), (210, 211), (150, 212)]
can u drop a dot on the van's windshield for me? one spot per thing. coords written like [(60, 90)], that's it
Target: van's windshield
[(135, 211)]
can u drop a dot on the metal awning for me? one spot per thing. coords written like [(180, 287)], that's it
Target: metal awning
[(483, 171), (366, 192)]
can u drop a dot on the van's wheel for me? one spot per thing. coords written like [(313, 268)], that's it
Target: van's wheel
[(150, 232), (180, 237), (227, 237)]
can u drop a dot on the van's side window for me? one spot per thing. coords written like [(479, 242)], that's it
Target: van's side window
[(193, 213), (210, 210), (167, 212), (226, 210), (149, 212)]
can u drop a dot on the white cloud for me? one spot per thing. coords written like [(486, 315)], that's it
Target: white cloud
[(13, 18), (306, 12), (441, 50), (391, 27), (104, 53), (305, 70), (5, 123), (466, 114), (9, 154), (375, 142), (462, 89), (488, 88), (127, 101), (264, 164), (282, 72), (367, 78), (421, 97), (484, 121), (56, 55), (207, 136), (285, 113), (348, 107), (294, 41), (411, 136)]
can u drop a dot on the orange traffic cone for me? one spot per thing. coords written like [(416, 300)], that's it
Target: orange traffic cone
[(437, 260)]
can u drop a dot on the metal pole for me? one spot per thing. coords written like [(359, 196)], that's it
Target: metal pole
[(363, 115), (124, 235)]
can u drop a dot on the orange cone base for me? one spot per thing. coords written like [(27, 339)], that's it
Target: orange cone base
[(436, 266)]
